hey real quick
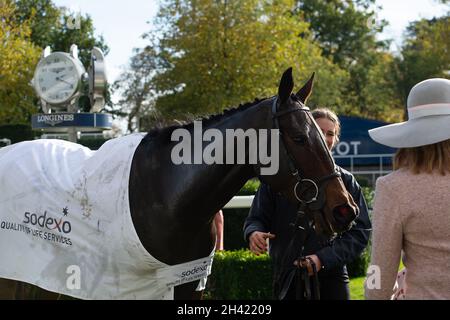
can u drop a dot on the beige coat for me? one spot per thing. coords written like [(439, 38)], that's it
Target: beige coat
[(412, 213)]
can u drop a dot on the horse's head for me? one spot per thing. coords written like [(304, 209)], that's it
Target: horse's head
[(307, 173)]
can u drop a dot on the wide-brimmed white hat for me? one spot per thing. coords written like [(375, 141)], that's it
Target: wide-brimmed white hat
[(428, 117)]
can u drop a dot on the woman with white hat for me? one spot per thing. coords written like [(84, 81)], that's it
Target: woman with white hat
[(412, 204)]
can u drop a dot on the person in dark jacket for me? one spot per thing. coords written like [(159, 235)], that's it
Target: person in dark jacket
[(271, 218)]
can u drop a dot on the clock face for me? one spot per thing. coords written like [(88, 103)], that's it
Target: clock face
[(56, 78)]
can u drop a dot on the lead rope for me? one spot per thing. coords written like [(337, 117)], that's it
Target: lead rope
[(298, 227), (316, 283), (304, 280)]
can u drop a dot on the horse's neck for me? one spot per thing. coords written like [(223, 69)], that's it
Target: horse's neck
[(173, 205), (209, 187)]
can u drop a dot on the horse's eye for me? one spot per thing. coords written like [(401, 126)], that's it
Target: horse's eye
[(301, 139)]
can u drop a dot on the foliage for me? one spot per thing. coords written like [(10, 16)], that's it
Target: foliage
[(358, 267), (59, 28), (18, 57), (91, 143), (346, 32), (369, 195), (233, 228), (343, 29), (240, 275), (136, 88), (43, 17), (245, 46), (425, 54), (357, 288), (381, 100), (234, 219), (250, 188), (17, 132)]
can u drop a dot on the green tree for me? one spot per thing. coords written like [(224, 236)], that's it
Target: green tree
[(43, 17), (136, 89), (346, 32), (213, 55), (424, 54), (18, 57), (380, 92), (59, 28)]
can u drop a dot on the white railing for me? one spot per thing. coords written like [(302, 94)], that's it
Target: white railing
[(240, 202), (66, 136), (381, 169), (378, 170), (374, 171), (6, 141)]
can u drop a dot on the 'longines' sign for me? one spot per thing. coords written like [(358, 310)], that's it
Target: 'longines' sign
[(54, 119), (59, 121)]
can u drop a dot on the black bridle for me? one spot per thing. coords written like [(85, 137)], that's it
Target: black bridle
[(318, 184), (306, 207)]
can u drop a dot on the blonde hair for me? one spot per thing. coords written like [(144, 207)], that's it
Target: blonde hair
[(425, 158), (330, 115)]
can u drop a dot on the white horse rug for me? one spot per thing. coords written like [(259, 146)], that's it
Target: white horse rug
[(65, 223)]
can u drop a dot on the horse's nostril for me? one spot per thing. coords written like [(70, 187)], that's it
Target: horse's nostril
[(344, 214), (344, 211)]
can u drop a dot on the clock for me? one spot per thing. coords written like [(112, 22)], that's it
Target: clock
[(58, 79)]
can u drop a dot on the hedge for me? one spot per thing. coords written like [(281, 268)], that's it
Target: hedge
[(239, 275), (92, 143), (250, 188), (17, 132)]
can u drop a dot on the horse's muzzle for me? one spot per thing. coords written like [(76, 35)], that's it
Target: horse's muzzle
[(344, 215)]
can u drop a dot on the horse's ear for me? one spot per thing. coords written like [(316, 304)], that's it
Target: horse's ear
[(286, 86), (304, 93)]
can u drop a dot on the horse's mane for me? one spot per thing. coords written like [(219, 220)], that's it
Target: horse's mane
[(164, 133)]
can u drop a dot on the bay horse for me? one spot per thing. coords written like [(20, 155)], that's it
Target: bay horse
[(172, 206)]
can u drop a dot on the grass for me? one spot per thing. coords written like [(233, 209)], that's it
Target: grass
[(357, 288)]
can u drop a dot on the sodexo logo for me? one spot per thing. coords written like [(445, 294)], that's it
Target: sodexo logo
[(193, 271), (221, 149), (44, 221)]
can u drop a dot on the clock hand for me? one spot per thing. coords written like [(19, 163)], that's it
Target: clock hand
[(61, 79)]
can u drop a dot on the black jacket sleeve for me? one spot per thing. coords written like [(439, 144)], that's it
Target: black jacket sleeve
[(261, 212), (352, 243)]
